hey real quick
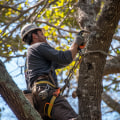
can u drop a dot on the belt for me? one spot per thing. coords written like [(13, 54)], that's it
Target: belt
[(46, 78), (45, 82)]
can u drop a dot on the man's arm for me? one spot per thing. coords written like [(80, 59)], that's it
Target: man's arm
[(74, 49)]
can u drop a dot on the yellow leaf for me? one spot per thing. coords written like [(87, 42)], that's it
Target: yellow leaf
[(67, 47), (58, 22), (48, 12), (38, 16), (54, 33), (62, 14), (62, 44), (58, 48), (0, 31), (4, 34), (26, 2), (92, 1), (20, 50), (10, 52), (62, 26), (72, 11), (19, 7), (50, 1), (46, 27), (8, 45)]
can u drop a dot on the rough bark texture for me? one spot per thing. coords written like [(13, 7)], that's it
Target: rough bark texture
[(15, 98), (92, 66)]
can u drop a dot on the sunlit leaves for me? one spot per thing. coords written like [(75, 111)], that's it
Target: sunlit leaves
[(118, 51), (9, 44), (59, 15), (19, 7), (0, 31), (27, 3)]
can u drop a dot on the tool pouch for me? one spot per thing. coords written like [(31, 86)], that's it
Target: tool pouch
[(39, 92), (41, 95), (39, 98)]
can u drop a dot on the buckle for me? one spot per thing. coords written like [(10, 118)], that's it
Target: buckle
[(57, 92)]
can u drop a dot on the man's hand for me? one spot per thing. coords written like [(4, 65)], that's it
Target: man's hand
[(79, 40), (79, 43)]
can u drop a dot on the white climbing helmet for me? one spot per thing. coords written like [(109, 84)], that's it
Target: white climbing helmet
[(27, 28)]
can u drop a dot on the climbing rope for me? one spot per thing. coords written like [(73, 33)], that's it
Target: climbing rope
[(67, 80), (77, 62)]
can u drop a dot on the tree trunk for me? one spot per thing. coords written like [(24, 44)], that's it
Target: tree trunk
[(15, 98), (92, 66)]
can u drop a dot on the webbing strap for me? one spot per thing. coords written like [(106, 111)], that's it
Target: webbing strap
[(52, 100), (51, 105), (45, 82)]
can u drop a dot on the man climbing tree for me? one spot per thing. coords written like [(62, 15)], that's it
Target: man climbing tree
[(42, 60), (100, 17)]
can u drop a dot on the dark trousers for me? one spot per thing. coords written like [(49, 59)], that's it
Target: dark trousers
[(61, 109)]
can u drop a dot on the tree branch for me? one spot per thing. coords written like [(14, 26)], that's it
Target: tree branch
[(112, 66), (35, 17), (45, 22), (13, 8), (110, 102), (21, 15), (15, 98), (116, 37)]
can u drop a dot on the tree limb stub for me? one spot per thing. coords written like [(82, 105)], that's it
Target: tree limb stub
[(116, 37), (15, 98), (110, 102), (112, 66)]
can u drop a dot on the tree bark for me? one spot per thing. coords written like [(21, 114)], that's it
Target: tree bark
[(92, 66), (15, 98)]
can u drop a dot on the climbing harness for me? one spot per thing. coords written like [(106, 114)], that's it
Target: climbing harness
[(51, 103), (49, 94)]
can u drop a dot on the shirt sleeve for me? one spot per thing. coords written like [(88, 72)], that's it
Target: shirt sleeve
[(59, 57)]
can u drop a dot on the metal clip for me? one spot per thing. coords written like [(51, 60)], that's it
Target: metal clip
[(43, 94)]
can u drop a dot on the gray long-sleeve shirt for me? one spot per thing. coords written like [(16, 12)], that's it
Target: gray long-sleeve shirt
[(41, 57)]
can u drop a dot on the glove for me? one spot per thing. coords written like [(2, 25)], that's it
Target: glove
[(79, 39)]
